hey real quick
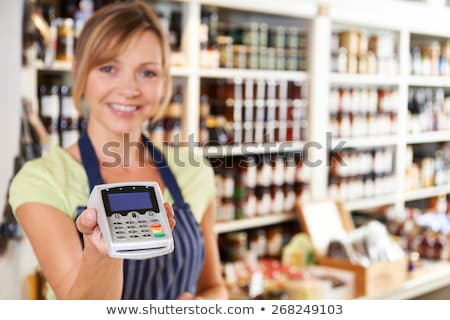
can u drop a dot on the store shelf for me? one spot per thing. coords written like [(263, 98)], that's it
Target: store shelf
[(248, 149), (427, 193), (236, 225), (433, 276), (363, 79), (428, 137), (56, 66), (222, 73), (365, 142), (352, 205), (429, 81), (179, 71)]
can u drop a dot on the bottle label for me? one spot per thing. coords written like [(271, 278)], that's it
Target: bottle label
[(50, 106), (69, 137), (68, 109)]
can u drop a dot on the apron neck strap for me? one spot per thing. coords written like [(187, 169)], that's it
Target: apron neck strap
[(89, 160), (165, 172)]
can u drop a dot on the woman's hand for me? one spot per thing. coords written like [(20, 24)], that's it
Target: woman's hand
[(188, 296), (170, 215), (88, 226)]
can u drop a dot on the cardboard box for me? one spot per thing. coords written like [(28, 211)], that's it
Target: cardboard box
[(324, 221)]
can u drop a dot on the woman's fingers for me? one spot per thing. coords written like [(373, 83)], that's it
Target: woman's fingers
[(87, 221), (187, 296), (87, 225), (170, 215)]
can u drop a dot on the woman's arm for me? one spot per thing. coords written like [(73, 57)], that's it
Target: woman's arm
[(211, 284), (72, 272)]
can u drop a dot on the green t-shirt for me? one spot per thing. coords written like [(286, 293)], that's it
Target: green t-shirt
[(60, 181)]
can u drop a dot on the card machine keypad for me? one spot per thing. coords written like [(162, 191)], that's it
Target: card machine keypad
[(135, 225)]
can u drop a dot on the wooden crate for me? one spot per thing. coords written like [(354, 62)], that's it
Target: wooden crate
[(371, 281), (375, 280)]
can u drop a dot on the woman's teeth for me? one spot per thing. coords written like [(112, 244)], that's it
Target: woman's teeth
[(123, 108)]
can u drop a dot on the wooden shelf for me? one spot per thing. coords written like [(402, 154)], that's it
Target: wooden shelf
[(236, 225)]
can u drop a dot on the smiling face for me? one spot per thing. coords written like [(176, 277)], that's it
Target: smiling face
[(124, 92)]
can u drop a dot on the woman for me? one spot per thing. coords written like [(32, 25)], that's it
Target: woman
[(122, 79)]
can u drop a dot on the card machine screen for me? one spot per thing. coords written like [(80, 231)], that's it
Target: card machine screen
[(125, 199), (130, 201)]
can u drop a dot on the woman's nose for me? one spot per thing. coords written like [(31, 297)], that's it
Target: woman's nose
[(129, 86)]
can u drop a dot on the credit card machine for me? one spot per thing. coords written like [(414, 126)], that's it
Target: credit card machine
[(132, 219)]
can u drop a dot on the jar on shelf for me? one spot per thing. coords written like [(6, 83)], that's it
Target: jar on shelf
[(277, 196), (239, 56), (227, 210), (248, 172), (257, 241), (280, 59), (65, 39), (263, 201), (271, 58), (249, 204), (289, 198), (217, 132), (225, 44), (274, 242), (50, 111), (292, 60), (252, 57)]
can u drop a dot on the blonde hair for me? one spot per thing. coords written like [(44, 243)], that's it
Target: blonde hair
[(106, 35)]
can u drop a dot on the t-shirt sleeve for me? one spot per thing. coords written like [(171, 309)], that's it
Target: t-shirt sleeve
[(204, 186), (34, 183)]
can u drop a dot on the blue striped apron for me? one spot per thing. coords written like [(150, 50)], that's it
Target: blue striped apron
[(164, 277)]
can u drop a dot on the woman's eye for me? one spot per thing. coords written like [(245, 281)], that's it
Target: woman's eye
[(149, 74), (107, 69)]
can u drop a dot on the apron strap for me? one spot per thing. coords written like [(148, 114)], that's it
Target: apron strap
[(165, 172), (89, 160)]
